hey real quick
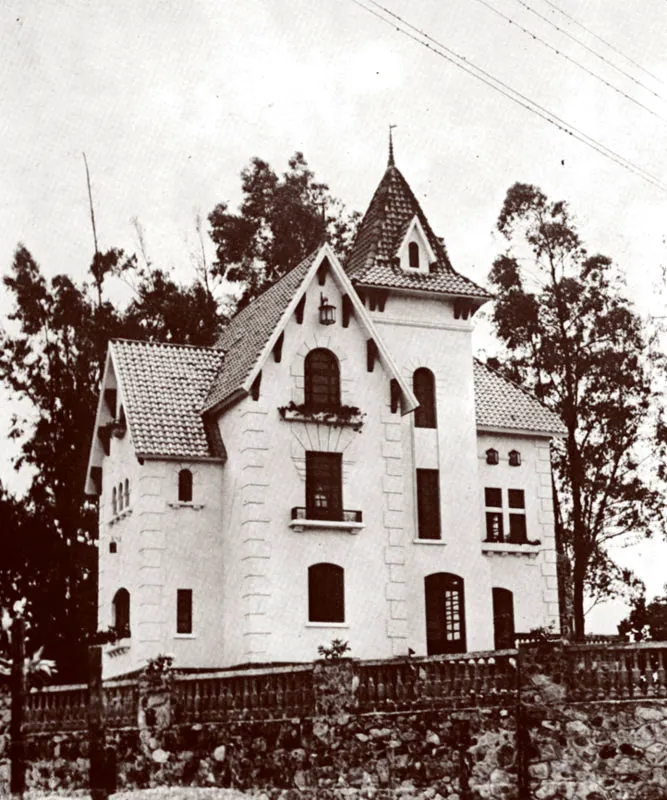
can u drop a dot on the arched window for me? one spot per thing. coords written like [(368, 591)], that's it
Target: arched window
[(127, 493), (503, 619), (185, 486), (326, 593), (121, 612), (413, 255), (322, 379), (114, 502), (445, 614), (423, 385), (121, 505)]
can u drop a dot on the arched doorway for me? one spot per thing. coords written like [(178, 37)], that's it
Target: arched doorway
[(445, 614)]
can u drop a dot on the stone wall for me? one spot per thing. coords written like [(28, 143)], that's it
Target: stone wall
[(541, 744)]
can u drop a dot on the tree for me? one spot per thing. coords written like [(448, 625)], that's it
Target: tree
[(50, 357), (574, 339), (281, 220), (646, 621)]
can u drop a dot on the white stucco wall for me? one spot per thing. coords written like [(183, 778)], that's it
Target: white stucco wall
[(248, 567)]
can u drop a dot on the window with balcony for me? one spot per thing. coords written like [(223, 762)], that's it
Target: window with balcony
[(324, 486), (322, 380), (326, 593)]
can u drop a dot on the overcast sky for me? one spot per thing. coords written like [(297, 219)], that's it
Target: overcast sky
[(171, 100)]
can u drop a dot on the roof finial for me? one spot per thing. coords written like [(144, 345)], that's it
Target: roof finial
[(391, 147)]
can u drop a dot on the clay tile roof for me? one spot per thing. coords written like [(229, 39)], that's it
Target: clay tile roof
[(499, 403), (164, 386), (247, 333), (372, 259)]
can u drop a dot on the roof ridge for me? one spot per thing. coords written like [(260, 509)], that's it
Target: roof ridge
[(151, 343)]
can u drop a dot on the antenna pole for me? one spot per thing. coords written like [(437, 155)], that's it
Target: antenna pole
[(90, 201)]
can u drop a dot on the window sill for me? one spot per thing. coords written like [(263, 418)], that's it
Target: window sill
[(186, 504), (300, 525), (185, 636), (440, 542), (510, 548), (327, 625), (121, 515)]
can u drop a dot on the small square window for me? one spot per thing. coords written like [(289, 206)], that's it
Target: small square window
[(493, 498), (113, 547)]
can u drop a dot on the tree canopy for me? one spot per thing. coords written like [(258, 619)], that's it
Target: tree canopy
[(281, 220), (573, 338)]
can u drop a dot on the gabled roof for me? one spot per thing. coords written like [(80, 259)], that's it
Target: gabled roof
[(162, 388), (249, 337), (501, 405), (244, 338), (372, 260)]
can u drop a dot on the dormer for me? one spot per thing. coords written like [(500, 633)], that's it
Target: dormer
[(415, 253)]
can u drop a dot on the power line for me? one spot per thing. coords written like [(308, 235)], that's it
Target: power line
[(586, 47), (503, 88), (572, 60), (600, 39)]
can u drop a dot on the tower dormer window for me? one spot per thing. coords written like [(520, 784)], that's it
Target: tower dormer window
[(413, 255)]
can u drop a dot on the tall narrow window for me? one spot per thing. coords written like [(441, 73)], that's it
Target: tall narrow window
[(114, 501), (503, 619), (326, 593), (493, 499), (428, 504), (445, 615), (423, 385), (120, 496), (184, 611), (185, 486), (322, 380), (121, 612), (517, 504), (413, 255), (324, 491), (127, 493)]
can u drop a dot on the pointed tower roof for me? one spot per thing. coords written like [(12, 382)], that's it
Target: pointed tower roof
[(373, 260)]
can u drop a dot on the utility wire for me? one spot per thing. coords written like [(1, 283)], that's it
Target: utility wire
[(507, 91), (572, 60), (586, 47), (604, 41)]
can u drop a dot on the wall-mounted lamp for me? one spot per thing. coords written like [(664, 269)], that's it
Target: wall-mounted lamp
[(327, 311)]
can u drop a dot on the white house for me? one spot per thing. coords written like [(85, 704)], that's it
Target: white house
[(337, 466)]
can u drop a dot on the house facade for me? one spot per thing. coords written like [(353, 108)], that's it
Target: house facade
[(337, 466)]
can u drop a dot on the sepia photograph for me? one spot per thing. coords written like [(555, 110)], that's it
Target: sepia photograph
[(333, 422)]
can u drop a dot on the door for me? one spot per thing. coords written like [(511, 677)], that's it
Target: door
[(503, 619), (445, 614)]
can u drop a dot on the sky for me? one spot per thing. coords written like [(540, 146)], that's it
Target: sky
[(170, 101)]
